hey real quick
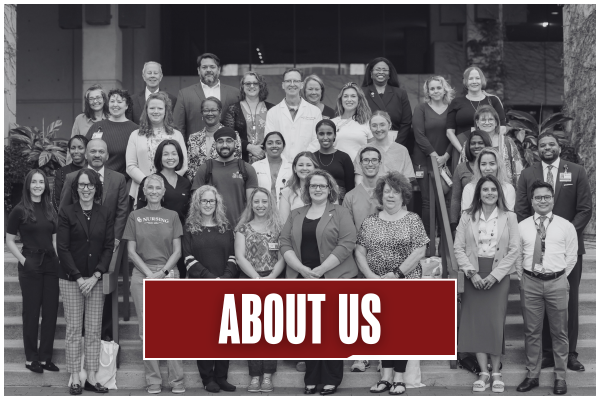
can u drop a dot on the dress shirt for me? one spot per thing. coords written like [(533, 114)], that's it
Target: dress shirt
[(101, 173), (214, 91), (488, 235), (555, 171), (561, 244), (148, 92)]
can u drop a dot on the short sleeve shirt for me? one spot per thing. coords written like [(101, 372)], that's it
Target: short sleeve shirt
[(257, 248), (153, 232)]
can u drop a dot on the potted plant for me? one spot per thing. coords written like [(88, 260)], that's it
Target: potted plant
[(524, 130)]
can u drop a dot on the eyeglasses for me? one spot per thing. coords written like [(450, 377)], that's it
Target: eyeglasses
[(250, 84), (379, 70), (210, 111), (223, 141), (540, 198), (205, 202), (374, 161), (89, 186), (315, 187), (98, 99), (292, 81)]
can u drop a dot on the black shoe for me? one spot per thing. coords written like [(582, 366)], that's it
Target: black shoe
[(49, 366), (573, 364), (528, 384), (325, 392), (310, 391), (560, 386), (35, 366), (75, 389), (547, 362), (212, 387), (226, 386), (97, 388)]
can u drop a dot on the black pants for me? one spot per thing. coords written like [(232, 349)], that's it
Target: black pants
[(213, 370), (398, 365), (259, 367), (327, 372), (38, 279), (574, 279), (107, 325)]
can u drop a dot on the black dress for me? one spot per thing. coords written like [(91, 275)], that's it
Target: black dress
[(341, 168)]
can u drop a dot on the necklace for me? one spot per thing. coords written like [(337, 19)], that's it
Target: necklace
[(326, 165), (87, 213), (471, 101), (253, 116)]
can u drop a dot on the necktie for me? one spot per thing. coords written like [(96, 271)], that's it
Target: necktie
[(550, 177), (537, 250)]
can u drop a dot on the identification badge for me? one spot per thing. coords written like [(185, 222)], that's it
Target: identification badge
[(419, 173), (97, 135), (564, 177), (274, 246)]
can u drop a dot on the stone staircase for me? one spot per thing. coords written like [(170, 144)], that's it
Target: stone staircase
[(434, 373)]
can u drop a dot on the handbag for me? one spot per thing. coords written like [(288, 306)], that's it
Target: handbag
[(107, 370), (469, 363)]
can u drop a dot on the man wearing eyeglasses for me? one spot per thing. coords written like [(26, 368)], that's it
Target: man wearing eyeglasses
[(548, 253), (114, 197), (573, 202), (360, 200), (152, 75), (187, 115), (234, 178), (294, 117)]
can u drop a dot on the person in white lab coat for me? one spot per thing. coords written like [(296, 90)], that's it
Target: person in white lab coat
[(273, 172)]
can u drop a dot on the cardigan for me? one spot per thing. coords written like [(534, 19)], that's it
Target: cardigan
[(234, 119)]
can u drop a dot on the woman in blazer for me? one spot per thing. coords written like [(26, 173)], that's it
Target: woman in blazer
[(316, 242), (486, 247), (273, 171), (85, 246), (383, 92)]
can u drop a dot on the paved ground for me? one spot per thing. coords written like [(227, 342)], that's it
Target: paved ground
[(426, 391)]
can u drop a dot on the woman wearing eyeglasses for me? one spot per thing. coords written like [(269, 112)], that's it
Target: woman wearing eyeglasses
[(382, 88), (248, 116), (95, 109), (209, 253), (336, 162), (317, 242), (201, 145)]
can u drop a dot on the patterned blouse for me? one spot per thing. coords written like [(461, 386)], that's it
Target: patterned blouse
[(153, 141), (257, 248), (255, 127), (198, 154), (488, 235), (389, 243)]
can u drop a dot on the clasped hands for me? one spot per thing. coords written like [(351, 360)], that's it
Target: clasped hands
[(483, 283), (87, 284), (315, 273)]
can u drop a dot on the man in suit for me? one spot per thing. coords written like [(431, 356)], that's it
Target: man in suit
[(114, 197), (294, 117), (547, 256), (152, 75), (187, 115), (573, 202)]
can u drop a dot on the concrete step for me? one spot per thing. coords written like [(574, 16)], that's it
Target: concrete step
[(133, 376), (131, 353), (13, 306)]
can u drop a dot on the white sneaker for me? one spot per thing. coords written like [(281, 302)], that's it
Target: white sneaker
[(360, 366), (178, 390), (154, 389)]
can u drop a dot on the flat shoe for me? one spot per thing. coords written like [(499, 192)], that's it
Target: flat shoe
[(226, 386), (388, 386), (49, 366), (497, 385), (395, 385), (310, 391), (75, 389), (212, 387), (35, 366), (480, 385), (325, 392), (97, 388)]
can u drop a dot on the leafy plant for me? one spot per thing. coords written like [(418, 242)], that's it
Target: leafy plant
[(42, 149), (524, 130), (15, 168)]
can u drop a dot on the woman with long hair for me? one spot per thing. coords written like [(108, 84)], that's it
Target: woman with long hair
[(382, 88), (273, 172), (115, 130), (156, 125), (257, 254), (291, 195), (209, 253), (34, 219), (248, 116), (486, 248)]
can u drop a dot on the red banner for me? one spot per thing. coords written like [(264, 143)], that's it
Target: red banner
[(300, 319)]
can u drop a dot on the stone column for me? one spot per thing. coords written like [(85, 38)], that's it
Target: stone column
[(10, 68), (579, 30), (103, 53)]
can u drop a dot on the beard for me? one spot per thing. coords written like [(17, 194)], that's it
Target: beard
[(208, 79)]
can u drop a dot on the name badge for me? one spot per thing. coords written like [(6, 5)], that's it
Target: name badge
[(97, 135), (564, 177), (419, 173), (274, 246)]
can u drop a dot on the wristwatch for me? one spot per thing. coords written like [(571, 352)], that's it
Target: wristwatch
[(98, 275), (166, 271), (399, 274), (470, 274)]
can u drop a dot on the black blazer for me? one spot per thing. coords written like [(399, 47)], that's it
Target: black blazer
[(572, 200), (139, 101), (234, 118), (81, 251), (395, 102)]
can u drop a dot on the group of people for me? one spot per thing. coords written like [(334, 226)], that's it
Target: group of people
[(218, 183)]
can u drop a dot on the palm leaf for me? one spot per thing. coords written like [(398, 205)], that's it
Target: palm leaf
[(526, 118), (553, 120), (23, 138), (45, 157)]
